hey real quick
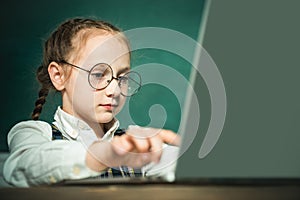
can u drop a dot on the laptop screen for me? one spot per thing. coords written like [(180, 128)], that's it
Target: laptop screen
[(256, 55)]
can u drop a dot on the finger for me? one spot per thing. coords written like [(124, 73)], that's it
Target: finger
[(126, 143), (142, 132), (156, 148), (141, 145), (170, 137), (121, 145)]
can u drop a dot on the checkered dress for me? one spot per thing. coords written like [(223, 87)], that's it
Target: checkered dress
[(121, 171)]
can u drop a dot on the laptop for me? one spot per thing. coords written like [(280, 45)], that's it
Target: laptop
[(241, 112)]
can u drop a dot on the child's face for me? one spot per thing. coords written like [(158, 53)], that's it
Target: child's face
[(79, 98)]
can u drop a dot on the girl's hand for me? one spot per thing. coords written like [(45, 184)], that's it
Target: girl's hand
[(138, 147)]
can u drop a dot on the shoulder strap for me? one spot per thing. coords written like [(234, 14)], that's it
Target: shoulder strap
[(56, 134), (119, 132)]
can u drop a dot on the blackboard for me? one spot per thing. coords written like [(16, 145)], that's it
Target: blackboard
[(26, 24)]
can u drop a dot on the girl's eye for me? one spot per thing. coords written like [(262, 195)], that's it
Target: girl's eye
[(97, 75), (123, 79)]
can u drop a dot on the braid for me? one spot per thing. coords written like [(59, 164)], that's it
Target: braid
[(43, 77), (43, 93)]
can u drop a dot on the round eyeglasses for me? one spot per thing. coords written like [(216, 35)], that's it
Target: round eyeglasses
[(101, 75)]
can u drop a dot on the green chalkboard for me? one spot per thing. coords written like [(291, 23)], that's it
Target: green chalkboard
[(26, 24)]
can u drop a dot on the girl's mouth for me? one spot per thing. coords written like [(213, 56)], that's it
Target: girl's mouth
[(109, 106)]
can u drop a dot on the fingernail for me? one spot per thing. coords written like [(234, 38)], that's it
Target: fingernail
[(133, 126)]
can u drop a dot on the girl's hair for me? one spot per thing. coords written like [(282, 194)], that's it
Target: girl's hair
[(58, 47)]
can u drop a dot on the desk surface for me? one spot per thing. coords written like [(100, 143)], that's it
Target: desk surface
[(154, 191)]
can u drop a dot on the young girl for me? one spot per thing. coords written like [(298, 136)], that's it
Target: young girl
[(88, 61)]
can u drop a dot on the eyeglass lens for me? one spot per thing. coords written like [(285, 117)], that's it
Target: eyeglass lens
[(101, 75)]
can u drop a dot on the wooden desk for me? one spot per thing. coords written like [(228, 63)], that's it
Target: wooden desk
[(155, 191)]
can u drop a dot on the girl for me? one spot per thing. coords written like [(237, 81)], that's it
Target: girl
[(88, 61)]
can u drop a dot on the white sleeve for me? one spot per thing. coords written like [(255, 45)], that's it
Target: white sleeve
[(35, 159), (166, 167)]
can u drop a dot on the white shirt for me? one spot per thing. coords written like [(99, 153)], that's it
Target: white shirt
[(36, 159)]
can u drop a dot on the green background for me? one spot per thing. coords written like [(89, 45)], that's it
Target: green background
[(26, 24)]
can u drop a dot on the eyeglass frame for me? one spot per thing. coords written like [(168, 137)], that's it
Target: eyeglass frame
[(112, 77)]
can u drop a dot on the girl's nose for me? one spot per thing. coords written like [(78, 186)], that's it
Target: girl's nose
[(113, 88)]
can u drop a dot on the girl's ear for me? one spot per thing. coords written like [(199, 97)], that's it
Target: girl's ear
[(57, 75)]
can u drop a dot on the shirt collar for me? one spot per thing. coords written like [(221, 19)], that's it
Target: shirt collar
[(72, 126)]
